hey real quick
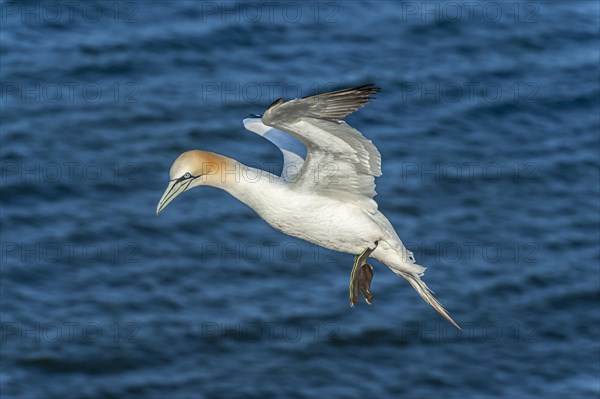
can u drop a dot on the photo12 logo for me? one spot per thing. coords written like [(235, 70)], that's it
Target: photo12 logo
[(69, 332), (428, 92), (68, 172), (470, 11), (289, 12), (69, 92), (243, 92), (40, 12), (70, 253)]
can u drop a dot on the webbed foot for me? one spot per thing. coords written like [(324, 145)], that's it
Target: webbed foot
[(361, 277)]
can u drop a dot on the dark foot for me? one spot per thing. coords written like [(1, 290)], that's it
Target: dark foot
[(361, 277)]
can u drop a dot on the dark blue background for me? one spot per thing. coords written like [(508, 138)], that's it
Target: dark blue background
[(488, 127)]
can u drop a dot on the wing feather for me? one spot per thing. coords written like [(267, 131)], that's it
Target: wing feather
[(292, 149), (340, 162)]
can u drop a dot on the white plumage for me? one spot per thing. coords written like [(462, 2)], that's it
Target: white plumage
[(325, 193)]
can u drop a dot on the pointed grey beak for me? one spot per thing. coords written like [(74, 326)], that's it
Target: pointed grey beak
[(173, 190)]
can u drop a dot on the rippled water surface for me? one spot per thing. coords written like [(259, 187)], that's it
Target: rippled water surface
[(488, 127)]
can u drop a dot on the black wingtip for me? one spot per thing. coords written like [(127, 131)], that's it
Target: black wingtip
[(332, 106), (254, 116), (368, 87), (368, 90)]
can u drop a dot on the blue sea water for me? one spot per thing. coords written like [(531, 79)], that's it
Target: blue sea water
[(488, 124)]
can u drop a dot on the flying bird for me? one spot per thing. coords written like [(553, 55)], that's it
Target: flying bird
[(325, 192)]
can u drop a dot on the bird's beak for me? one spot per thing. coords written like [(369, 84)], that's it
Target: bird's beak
[(173, 190)]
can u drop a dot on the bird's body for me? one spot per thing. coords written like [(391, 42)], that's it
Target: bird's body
[(326, 197)]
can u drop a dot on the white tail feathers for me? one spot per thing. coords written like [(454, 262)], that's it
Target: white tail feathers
[(427, 295)]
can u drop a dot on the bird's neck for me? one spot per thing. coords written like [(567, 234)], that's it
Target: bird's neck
[(245, 183)]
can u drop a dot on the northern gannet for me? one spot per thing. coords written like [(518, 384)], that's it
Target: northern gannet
[(325, 192)]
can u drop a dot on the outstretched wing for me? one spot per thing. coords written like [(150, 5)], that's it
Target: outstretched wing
[(293, 150), (341, 162)]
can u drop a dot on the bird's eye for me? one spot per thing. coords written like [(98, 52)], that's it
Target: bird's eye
[(187, 175)]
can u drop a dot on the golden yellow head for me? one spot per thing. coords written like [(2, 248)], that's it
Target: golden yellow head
[(192, 169)]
